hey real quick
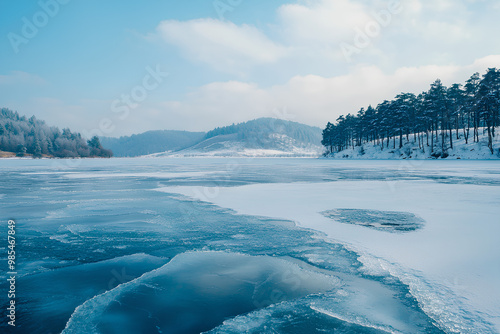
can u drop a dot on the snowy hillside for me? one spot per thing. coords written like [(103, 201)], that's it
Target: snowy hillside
[(264, 137), (411, 150)]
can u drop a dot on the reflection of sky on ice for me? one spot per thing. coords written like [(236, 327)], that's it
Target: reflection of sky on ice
[(98, 227)]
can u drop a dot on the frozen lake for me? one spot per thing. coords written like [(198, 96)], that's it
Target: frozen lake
[(254, 245)]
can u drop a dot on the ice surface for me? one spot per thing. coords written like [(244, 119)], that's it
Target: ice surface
[(457, 249), (161, 175), (49, 298), (354, 321), (360, 306), (77, 235), (206, 287)]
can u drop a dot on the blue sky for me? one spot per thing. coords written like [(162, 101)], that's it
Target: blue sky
[(274, 58)]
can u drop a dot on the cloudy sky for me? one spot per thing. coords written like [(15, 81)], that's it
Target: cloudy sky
[(122, 67)]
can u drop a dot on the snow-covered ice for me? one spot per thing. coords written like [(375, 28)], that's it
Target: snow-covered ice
[(457, 248)]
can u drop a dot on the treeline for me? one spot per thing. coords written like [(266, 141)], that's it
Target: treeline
[(433, 118), (23, 136)]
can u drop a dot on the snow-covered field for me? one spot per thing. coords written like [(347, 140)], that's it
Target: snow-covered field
[(451, 264)]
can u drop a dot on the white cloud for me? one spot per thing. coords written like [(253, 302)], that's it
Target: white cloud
[(310, 99), (309, 34), (442, 5), (222, 45), (316, 100), (413, 6), (483, 63), (322, 21)]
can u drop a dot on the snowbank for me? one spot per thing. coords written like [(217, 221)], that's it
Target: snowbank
[(410, 150)]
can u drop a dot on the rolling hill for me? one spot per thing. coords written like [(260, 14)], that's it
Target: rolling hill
[(260, 137)]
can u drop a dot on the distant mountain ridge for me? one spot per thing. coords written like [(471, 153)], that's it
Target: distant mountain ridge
[(259, 137), (151, 142)]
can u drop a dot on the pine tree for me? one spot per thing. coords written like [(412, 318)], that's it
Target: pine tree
[(456, 99), (488, 102), (328, 140), (37, 151), (438, 104), (471, 88), (21, 150)]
